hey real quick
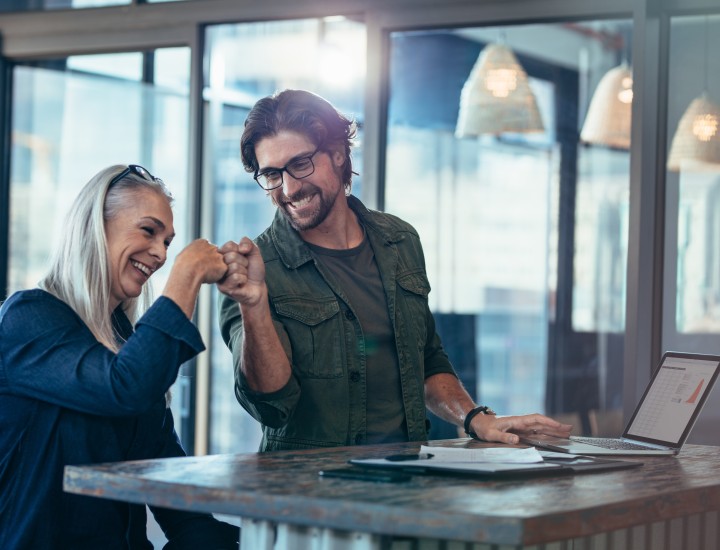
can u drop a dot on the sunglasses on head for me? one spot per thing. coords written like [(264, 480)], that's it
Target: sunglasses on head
[(136, 169)]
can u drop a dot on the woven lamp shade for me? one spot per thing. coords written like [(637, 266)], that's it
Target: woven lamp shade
[(496, 97), (696, 143), (609, 116)]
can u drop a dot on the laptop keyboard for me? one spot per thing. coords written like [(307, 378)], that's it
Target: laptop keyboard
[(614, 444)]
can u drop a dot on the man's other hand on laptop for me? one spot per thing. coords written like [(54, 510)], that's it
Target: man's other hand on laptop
[(504, 429)]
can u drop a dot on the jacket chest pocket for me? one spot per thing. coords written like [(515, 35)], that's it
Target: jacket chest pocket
[(315, 330), (413, 290)]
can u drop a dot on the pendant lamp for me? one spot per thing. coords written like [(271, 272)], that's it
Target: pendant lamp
[(696, 143), (497, 97), (609, 115)]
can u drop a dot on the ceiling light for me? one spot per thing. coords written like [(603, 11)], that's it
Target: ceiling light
[(696, 143), (609, 116), (497, 97)]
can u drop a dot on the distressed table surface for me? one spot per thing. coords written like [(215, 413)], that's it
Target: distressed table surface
[(285, 487)]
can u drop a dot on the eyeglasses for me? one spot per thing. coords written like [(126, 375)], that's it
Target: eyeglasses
[(138, 171), (298, 168)]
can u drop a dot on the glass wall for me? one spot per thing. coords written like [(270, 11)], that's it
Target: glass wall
[(33, 5), (72, 117), (28, 5), (245, 62), (526, 248), (546, 308), (691, 313)]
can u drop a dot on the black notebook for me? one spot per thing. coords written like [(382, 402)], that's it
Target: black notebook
[(551, 465)]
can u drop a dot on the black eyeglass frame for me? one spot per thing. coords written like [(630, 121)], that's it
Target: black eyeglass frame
[(136, 169), (286, 168)]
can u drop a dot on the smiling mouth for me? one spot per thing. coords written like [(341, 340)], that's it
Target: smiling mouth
[(300, 202), (142, 267)]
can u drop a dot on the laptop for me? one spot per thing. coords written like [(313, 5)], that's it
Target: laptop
[(662, 420)]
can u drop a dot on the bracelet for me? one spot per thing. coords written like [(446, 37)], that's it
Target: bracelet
[(472, 414)]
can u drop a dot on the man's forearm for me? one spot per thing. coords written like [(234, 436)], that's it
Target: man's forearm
[(264, 362), (446, 397)]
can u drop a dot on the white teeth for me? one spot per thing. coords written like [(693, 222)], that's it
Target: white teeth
[(302, 202), (145, 269)]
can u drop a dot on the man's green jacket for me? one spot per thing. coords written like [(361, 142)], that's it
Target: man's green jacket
[(323, 403)]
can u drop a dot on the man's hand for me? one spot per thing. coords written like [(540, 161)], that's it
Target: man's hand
[(262, 358), (245, 278), (503, 428)]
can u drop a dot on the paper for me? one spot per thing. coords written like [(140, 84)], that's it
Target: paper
[(497, 455)]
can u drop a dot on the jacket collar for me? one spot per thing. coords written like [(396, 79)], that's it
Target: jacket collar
[(294, 252)]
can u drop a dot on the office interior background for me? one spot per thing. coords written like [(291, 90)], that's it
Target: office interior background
[(565, 253)]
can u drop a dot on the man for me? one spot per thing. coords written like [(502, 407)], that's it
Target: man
[(327, 313)]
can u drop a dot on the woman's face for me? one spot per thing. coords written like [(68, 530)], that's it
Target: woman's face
[(138, 238)]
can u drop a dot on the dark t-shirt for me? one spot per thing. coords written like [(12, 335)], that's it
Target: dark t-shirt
[(356, 272)]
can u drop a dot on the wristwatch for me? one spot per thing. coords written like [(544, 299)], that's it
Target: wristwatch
[(483, 409)]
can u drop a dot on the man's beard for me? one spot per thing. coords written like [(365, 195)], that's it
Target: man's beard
[(318, 216)]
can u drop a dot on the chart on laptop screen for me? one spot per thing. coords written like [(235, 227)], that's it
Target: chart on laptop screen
[(672, 399)]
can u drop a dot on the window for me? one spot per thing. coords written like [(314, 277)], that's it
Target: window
[(71, 118), (526, 247), (28, 5), (326, 56), (693, 180), (691, 274)]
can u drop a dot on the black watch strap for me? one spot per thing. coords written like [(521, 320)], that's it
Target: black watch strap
[(472, 414)]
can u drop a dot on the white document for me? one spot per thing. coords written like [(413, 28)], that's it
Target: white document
[(496, 455)]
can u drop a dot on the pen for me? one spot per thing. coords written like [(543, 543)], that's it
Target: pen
[(399, 458)]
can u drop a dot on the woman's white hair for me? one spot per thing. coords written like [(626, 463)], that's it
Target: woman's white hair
[(80, 269)]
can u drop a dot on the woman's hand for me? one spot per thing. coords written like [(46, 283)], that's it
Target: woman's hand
[(199, 262), (202, 259)]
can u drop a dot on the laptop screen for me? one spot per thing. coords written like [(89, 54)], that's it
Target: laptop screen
[(674, 398)]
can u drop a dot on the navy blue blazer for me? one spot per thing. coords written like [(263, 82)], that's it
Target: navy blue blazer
[(67, 399)]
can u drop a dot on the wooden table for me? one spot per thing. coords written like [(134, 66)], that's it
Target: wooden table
[(669, 503)]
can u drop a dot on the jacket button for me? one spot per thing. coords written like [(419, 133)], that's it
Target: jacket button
[(354, 376), (349, 315), (358, 439)]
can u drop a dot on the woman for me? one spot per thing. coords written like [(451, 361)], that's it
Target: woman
[(79, 385)]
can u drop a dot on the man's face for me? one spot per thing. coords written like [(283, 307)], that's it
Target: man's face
[(306, 202)]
